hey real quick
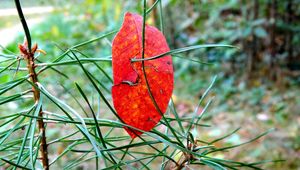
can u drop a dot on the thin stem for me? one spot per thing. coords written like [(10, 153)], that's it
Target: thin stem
[(181, 50), (146, 79), (24, 24), (161, 20)]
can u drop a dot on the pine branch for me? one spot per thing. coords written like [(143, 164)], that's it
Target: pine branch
[(28, 53)]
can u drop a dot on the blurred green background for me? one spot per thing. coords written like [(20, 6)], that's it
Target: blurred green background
[(258, 85)]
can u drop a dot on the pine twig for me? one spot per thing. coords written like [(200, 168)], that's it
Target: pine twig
[(28, 53)]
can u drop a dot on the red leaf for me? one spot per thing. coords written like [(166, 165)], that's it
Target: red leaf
[(130, 95)]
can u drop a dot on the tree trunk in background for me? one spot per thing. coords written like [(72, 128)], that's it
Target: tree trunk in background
[(273, 67), (253, 58), (172, 27), (289, 36)]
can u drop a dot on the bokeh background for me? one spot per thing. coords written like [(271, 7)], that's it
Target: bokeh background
[(258, 85)]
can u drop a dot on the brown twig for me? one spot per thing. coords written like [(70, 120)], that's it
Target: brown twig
[(29, 58)]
